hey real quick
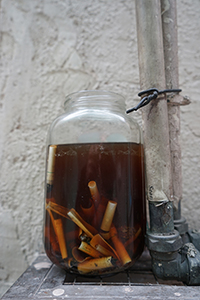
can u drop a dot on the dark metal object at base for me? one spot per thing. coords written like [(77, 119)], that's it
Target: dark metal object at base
[(183, 265), (175, 252), (174, 249)]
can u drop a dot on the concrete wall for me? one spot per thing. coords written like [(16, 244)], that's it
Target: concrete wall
[(54, 47)]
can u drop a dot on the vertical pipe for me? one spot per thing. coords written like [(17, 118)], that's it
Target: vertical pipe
[(170, 42), (155, 116)]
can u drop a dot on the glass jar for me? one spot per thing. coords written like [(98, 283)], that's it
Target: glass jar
[(95, 200)]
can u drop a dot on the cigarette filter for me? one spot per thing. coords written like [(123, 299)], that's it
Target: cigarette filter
[(102, 246), (89, 250), (95, 264), (70, 262), (119, 247), (58, 229), (52, 240), (79, 255), (83, 236), (88, 212), (108, 216), (61, 210), (88, 226), (94, 193), (51, 164), (61, 238), (75, 218), (105, 235), (103, 250)]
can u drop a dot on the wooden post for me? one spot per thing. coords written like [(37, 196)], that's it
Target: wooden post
[(169, 26)]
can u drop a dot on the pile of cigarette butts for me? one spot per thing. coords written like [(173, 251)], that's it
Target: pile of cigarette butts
[(99, 250)]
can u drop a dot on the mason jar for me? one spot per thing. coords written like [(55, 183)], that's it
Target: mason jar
[(95, 197)]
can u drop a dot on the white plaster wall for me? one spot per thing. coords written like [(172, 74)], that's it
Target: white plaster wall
[(51, 48), (189, 72)]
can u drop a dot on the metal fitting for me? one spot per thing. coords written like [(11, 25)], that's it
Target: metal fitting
[(164, 243), (194, 237), (183, 265), (181, 225), (161, 217)]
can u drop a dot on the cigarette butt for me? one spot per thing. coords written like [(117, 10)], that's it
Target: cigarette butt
[(60, 210), (61, 238), (95, 264), (119, 247), (83, 237), (94, 193), (87, 225), (79, 222), (108, 216), (105, 235), (103, 251), (101, 245), (51, 239), (58, 229), (133, 238), (51, 164), (78, 255), (89, 250), (89, 211), (70, 262), (52, 219)]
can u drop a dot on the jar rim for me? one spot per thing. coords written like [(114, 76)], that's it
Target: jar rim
[(92, 94)]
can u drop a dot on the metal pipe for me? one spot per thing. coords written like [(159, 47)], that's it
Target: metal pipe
[(155, 114)]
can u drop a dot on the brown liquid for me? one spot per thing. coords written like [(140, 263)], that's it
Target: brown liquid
[(117, 169)]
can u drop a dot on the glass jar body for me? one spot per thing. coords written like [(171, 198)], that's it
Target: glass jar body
[(95, 201)]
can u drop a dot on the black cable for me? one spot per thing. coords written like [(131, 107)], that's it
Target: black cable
[(152, 94)]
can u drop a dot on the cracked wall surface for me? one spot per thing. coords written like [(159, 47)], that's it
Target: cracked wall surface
[(52, 48)]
